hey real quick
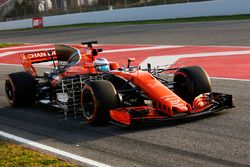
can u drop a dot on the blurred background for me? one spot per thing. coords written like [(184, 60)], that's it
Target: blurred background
[(22, 9)]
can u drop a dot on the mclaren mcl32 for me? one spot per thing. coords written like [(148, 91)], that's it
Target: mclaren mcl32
[(125, 95)]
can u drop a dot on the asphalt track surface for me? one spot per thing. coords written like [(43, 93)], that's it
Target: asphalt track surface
[(221, 139), (206, 33)]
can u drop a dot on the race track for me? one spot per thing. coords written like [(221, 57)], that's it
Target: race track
[(221, 139)]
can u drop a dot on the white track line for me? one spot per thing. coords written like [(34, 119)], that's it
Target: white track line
[(142, 48), (107, 51), (23, 51), (53, 150), (15, 65), (23, 47), (231, 79), (171, 59)]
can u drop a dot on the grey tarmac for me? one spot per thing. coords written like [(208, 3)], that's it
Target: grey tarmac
[(220, 139)]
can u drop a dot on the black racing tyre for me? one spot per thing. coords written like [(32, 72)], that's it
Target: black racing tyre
[(190, 82), (20, 89), (98, 97)]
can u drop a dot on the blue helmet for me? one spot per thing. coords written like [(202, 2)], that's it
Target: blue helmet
[(101, 65)]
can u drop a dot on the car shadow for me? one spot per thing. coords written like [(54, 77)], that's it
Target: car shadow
[(44, 121)]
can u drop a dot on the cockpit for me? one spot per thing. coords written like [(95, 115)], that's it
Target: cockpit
[(66, 56)]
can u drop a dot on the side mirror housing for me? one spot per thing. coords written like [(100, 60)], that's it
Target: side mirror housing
[(130, 60)]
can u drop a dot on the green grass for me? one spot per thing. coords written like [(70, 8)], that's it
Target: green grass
[(180, 20), (3, 45), (12, 155)]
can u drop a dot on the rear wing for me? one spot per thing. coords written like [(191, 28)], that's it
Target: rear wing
[(65, 55), (27, 59), (39, 56)]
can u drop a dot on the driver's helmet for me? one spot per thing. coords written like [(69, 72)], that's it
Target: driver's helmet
[(101, 65)]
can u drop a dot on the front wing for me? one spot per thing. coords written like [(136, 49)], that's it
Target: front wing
[(129, 116)]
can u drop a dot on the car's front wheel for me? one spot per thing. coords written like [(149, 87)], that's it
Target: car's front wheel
[(190, 82)]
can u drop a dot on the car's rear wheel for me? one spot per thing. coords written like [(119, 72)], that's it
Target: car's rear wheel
[(98, 97), (190, 82), (20, 89)]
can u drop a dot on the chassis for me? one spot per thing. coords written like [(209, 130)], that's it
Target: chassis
[(125, 95)]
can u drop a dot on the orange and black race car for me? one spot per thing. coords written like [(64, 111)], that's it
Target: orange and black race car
[(102, 91)]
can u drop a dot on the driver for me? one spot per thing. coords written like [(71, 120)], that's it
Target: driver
[(101, 65)]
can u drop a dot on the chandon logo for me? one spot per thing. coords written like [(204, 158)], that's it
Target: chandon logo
[(40, 54)]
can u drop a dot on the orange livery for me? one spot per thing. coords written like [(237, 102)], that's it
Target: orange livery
[(82, 83)]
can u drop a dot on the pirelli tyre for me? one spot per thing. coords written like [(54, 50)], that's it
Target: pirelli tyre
[(20, 89), (98, 97), (190, 82)]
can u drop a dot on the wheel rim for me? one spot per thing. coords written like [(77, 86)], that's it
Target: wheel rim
[(88, 104), (9, 90)]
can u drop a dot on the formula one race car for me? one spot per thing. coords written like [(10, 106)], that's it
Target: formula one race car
[(81, 82)]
